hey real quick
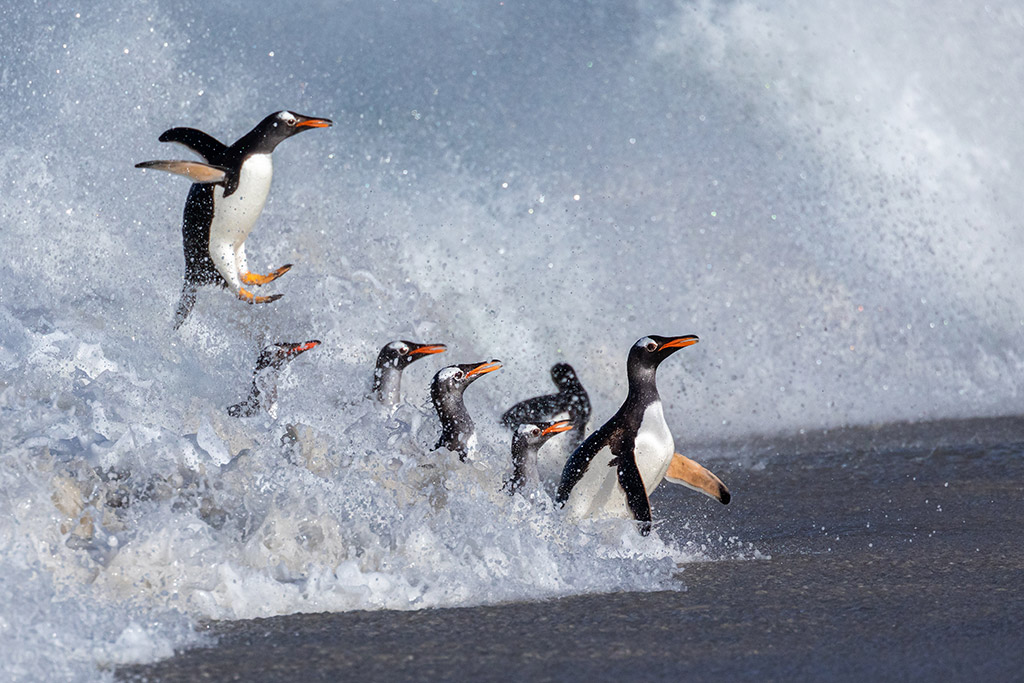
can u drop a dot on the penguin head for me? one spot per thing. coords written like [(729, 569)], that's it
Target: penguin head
[(276, 355), (453, 380), (400, 354), (648, 352), (281, 125), (563, 375), (537, 433)]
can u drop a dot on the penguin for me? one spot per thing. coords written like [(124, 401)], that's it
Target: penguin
[(571, 403), (446, 390), (264, 378), (615, 469), (226, 197), (692, 475), (392, 359), (526, 441)]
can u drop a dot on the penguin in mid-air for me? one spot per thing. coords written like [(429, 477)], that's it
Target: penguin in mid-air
[(393, 358), (263, 394), (227, 196), (526, 441), (570, 403), (614, 471), (457, 430)]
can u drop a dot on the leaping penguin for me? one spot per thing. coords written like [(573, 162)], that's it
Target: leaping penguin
[(226, 198), (526, 441), (264, 378), (570, 403), (391, 361), (457, 431), (614, 471)]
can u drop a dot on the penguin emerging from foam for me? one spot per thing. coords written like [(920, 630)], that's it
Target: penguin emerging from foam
[(526, 441), (614, 471), (391, 361), (446, 389), (263, 394), (227, 196), (570, 403)]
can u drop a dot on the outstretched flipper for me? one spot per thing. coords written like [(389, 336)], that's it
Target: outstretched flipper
[(196, 171), (257, 279), (636, 494), (690, 474), (203, 144)]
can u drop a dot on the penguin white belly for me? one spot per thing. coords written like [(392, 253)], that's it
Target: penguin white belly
[(654, 447), (598, 493), (234, 216)]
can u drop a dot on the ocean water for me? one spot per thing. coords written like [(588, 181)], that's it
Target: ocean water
[(826, 196)]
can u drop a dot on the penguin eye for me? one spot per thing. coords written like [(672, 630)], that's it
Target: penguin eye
[(403, 350), (458, 375), (652, 346), (290, 122), (535, 432)]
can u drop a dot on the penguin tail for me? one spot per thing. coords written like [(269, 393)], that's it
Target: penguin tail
[(185, 304)]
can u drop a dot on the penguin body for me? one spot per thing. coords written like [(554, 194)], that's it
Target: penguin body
[(457, 430), (616, 468), (227, 196), (263, 394), (393, 358)]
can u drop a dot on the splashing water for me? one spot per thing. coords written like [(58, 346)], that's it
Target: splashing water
[(832, 211)]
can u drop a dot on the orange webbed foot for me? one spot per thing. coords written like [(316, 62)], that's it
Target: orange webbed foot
[(248, 296), (257, 279)]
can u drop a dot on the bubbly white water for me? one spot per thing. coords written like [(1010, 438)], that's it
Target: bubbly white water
[(827, 196)]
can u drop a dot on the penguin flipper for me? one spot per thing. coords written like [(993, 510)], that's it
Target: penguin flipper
[(692, 475), (196, 171), (636, 494), (579, 461), (203, 144)]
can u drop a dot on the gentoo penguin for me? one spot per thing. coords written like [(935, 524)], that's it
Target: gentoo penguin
[(614, 471), (392, 359), (226, 198), (692, 475), (264, 378), (526, 441), (446, 389), (571, 403)]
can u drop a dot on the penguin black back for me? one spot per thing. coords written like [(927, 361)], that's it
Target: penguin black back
[(571, 401)]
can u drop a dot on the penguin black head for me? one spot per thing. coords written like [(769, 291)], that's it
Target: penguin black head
[(453, 380), (276, 355), (647, 353), (281, 125), (400, 354), (537, 433)]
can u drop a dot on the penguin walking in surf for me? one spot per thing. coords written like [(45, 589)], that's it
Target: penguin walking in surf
[(458, 433), (526, 441), (393, 358), (228, 192), (263, 394), (617, 467)]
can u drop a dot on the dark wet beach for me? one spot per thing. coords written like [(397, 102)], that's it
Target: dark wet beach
[(895, 554)]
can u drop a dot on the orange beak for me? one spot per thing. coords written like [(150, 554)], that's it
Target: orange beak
[(484, 368), (426, 350), (304, 346), (558, 427), (315, 123), (681, 342)]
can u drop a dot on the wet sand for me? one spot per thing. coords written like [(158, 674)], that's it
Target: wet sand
[(887, 562)]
